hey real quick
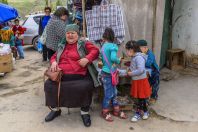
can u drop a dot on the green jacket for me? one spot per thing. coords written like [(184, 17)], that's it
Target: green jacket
[(82, 52)]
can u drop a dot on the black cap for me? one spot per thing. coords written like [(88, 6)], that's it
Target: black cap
[(141, 42)]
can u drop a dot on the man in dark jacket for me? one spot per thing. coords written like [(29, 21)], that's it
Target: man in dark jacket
[(42, 24)]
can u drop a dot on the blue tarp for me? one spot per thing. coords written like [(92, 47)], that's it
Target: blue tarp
[(7, 13)]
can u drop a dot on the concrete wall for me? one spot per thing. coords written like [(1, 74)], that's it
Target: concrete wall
[(139, 21), (185, 26), (139, 17)]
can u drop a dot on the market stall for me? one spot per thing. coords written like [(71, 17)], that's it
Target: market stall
[(7, 13), (6, 59), (7, 48), (93, 16)]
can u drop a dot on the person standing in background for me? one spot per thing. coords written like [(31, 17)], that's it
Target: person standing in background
[(42, 24), (18, 45), (55, 30), (17, 29)]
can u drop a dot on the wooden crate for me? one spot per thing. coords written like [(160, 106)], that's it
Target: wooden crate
[(5, 58), (6, 63), (6, 67), (176, 59)]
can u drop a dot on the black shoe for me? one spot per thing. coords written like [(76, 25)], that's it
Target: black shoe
[(86, 120), (52, 115)]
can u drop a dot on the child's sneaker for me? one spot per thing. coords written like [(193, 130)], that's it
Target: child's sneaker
[(136, 117), (145, 116)]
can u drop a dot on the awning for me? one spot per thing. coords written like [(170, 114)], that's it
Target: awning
[(7, 13)]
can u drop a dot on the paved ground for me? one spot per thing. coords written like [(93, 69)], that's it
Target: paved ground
[(22, 105), (178, 97)]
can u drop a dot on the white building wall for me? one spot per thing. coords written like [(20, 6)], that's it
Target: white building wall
[(185, 26)]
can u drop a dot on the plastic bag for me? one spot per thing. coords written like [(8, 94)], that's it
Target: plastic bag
[(43, 37), (39, 47)]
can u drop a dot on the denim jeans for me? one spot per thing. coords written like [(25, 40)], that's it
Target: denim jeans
[(110, 91), (154, 81), (20, 51)]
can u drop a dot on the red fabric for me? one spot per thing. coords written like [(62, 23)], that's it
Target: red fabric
[(70, 57), (140, 89), (20, 29)]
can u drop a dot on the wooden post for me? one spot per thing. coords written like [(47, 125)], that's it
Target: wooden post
[(154, 24), (83, 14)]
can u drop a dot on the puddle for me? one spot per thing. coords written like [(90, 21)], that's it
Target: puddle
[(14, 92)]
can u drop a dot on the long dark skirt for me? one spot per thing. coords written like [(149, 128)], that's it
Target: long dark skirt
[(76, 91)]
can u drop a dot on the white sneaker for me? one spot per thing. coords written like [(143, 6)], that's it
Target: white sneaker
[(136, 117), (145, 116)]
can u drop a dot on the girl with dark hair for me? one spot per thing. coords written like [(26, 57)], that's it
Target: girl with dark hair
[(140, 88), (109, 59)]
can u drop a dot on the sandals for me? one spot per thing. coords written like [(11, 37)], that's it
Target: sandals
[(118, 113), (107, 116)]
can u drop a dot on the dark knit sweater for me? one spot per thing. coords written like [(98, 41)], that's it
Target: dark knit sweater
[(55, 30)]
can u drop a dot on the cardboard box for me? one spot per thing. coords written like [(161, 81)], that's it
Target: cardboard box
[(6, 58), (6, 63), (6, 67)]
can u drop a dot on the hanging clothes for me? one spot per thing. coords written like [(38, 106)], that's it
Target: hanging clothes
[(105, 15)]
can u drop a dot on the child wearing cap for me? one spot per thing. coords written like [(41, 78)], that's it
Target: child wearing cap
[(152, 66)]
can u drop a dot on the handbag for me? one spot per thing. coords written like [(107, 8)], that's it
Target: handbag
[(114, 71), (53, 76)]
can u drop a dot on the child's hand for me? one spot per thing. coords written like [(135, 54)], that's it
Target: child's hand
[(127, 63), (129, 73), (121, 59)]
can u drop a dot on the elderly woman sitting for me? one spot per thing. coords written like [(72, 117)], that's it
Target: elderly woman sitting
[(75, 58)]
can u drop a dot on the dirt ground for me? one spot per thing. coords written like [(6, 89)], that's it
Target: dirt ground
[(22, 106)]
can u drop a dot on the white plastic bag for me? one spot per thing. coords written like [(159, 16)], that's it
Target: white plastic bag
[(43, 37), (5, 49)]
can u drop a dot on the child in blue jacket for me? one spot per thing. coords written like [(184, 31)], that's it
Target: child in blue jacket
[(151, 64)]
